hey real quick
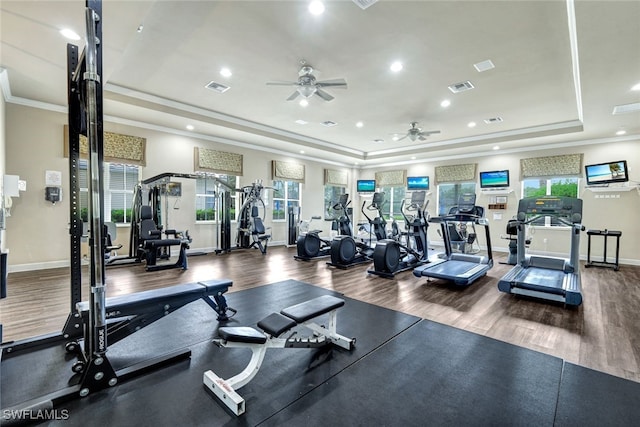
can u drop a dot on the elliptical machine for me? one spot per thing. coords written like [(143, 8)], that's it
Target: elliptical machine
[(390, 256), (310, 245), (377, 224), (345, 251)]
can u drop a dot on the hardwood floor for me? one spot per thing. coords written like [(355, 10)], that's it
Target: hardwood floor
[(603, 334)]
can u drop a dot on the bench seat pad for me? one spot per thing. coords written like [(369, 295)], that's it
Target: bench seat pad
[(275, 324), (242, 334), (312, 308)]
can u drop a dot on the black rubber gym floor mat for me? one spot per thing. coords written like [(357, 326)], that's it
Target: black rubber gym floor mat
[(592, 398), (175, 395), (432, 375)]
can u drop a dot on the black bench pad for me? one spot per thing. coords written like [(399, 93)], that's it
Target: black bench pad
[(275, 324), (312, 308), (197, 290), (242, 334), (150, 244)]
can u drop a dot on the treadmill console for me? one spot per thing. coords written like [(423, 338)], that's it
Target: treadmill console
[(557, 206)]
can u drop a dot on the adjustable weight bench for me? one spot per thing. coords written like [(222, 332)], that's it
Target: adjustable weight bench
[(273, 326), (127, 314)]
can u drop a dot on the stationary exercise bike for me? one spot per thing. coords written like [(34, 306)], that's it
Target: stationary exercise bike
[(390, 256), (345, 251)]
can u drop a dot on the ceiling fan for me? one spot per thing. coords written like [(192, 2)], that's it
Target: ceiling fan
[(307, 85), (415, 133)]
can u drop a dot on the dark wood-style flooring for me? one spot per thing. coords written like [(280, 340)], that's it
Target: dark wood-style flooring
[(602, 334)]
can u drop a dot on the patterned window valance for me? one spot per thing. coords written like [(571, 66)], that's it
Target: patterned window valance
[(117, 148), (213, 161), (539, 167), (456, 173), (335, 177), (391, 178), (288, 171)]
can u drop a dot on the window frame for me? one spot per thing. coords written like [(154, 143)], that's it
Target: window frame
[(458, 192), (234, 198), (286, 200)]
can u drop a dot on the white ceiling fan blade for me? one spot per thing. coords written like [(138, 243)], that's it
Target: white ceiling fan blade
[(324, 95), (282, 83), (422, 138), (401, 138), (430, 132), (293, 96), (336, 83)]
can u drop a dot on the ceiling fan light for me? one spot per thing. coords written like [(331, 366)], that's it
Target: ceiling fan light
[(413, 136), (307, 91)]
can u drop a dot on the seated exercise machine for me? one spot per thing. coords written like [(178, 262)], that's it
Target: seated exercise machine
[(273, 326), (345, 250), (390, 256), (460, 268), (512, 237), (251, 230), (550, 278), (152, 245)]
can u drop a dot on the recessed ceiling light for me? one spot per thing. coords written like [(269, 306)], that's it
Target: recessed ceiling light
[(471, 124), (621, 132), (413, 157), (395, 137), (496, 147), (316, 7), (301, 151), (378, 141), (303, 102), (356, 163), (70, 34), (190, 127), (636, 87), (445, 103), (359, 124), (301, 122), (225, 72), (396, 66)]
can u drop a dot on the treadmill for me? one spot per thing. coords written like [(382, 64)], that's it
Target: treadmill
[(460, 268), (550, 278)]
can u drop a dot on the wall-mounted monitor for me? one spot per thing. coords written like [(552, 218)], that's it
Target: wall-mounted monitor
[(494, 179), (366, 186), (417, 183), (605, 173)]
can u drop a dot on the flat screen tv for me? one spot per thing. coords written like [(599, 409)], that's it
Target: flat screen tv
[(417, 183), (494, 179), (605, 173), (366, 185)]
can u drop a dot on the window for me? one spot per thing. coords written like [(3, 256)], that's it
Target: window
[(285, 195), (393, 197), (448, 195), (332, 194), (206, 209), (119, 183), (537, 187)]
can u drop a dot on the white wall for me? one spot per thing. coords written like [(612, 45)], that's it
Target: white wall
[(598, 213), (37, 232)]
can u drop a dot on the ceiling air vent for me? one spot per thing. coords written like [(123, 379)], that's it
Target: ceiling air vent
[(626, 108), (329, 123), (484, 66), (493, 120), (218, 87), (364, 3), (461, 87)]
